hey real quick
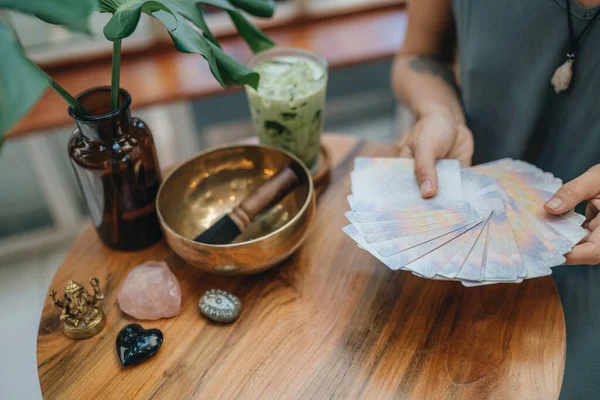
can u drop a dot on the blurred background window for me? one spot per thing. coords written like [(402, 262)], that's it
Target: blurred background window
[(320, 7), (46, 43)]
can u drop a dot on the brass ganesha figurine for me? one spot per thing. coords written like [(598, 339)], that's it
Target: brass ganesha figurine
[(80, 316)]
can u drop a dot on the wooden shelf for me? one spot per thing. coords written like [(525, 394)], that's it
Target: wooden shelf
[(163, 75)]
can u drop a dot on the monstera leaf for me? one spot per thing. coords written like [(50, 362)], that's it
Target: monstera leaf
[(256, 39), (187, 27), (260, 8), (73, 14), (126, 18), (21, 81)]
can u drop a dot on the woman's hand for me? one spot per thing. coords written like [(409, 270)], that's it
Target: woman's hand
[(585, 187), (436, 135)]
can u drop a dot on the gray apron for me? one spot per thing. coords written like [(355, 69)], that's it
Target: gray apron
[(508, 52)]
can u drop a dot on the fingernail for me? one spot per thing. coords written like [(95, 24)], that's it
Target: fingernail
[(426, 187), (555, 203)]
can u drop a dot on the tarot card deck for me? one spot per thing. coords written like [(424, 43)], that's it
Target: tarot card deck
[(485, 225)]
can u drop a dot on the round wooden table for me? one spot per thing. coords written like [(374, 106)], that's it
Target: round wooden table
[(331, 322)]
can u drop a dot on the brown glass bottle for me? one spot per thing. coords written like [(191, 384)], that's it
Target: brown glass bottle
[(115, 163)]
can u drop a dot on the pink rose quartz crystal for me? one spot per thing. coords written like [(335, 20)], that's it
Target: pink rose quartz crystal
[(150, 291)]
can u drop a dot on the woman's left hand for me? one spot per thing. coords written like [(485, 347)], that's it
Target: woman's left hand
[(585, 187)]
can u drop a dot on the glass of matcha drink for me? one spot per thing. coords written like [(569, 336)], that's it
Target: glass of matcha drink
[(288, 107)]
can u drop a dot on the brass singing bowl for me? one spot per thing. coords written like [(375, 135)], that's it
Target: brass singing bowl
[(203, 189)]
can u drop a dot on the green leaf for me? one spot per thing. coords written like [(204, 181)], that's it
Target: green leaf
[(21, 81), (233, 71), (259, 8), (190, 11), (151, 7), (123, 22), (127, 16), (255, 38), (106, 6), (201, 23), (222, 4), (188, 40), (225, 69), (74, 14)]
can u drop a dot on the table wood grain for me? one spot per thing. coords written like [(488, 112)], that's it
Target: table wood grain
[(331, 322)]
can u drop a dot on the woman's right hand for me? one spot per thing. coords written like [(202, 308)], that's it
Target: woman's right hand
[(436, 135)]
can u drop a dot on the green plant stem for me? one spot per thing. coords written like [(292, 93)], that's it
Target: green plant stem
[(116, 74), (61, 91)]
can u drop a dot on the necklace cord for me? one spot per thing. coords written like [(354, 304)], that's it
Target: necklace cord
[(572, 39)]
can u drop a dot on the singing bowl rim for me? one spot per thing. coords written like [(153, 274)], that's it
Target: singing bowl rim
[(299, 214)]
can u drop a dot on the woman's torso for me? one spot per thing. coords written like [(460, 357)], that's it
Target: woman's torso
[(508, 51)]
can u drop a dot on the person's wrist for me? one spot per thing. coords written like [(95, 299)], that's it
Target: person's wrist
[(443, 111)]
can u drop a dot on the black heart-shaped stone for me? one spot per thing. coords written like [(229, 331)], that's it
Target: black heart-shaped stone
[(136, 344)]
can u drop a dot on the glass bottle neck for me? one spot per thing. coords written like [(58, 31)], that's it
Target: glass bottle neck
[(106, 130), (102, 122)]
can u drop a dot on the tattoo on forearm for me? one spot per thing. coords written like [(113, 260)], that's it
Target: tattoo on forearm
[(435, 68)]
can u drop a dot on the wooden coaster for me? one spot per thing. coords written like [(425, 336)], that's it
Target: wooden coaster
[(322, 175)]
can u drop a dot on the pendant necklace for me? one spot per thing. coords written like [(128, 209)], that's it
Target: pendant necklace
[(563, 74)]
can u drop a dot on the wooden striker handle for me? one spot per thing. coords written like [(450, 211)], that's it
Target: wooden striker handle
[(265, 196)]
